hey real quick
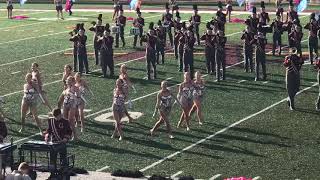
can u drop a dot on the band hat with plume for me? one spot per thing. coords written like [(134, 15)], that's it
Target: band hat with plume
[(254, 10), (167, 6), (220, 4), (138, 11), (151, 26), (291, 3), (107, 26), (195, 7), (100, 17), (178, 14), (262, 4), (208, 26)]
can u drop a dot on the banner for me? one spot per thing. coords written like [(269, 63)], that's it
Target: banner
[(302, 5)]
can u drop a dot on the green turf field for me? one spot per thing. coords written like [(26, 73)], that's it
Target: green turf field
[(248, 129)]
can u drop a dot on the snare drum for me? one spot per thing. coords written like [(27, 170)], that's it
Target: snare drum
[(134, 31), (115, 29)]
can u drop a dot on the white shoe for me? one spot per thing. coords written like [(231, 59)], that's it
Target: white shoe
[(120, 138), (171, 137), (200, 123), (188, 129)]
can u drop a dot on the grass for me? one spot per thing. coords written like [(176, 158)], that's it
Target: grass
[(276, 144)]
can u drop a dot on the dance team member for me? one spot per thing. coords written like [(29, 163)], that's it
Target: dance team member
[(293, 64), (185, 96), (68, 100), (9, 8), (59, 8), (124, 77), (164, 105), (36, 78), (30, 101), (67, 71), (83, 87), (118, 108), (116, 7), (199, 87)]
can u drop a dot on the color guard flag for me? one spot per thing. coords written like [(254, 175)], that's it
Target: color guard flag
[(22, 2), (302, 5)]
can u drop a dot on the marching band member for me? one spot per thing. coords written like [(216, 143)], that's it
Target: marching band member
[(195, 21), (296, 38), (293, 64), (161, 43), (279, 12), (164, 105), (263, 15), (174, 5), (74, 32), (277, 26), (209, 49), (126, 85), (151, 40), (67, 71), (81, 102), (177, 27), (9, 8), (29, 102), (220, 20), (36, 78), (106, 53), (116, 7), (180, 36), (121, 22), (198, 96), (81, 40), (3, 127), (260, 55), (167, 21), (118, 108), (229, 9), (188, 47), (291, 16), (138, 22), (185, 96), (98, 29), (69, 101), (318, 78), (59, 131), (313, 28), (254, 20), (59, 8), (247, 37), (220, 41)]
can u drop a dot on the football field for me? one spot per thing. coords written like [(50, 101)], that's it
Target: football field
[(248, 128)]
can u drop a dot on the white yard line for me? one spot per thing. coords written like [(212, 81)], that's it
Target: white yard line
[(241, 81), (176, 174), (34, 37), (22, 25), (221, 131), (215, 177), (15, 72), (265, 82), (256, 178), (102, 169)]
